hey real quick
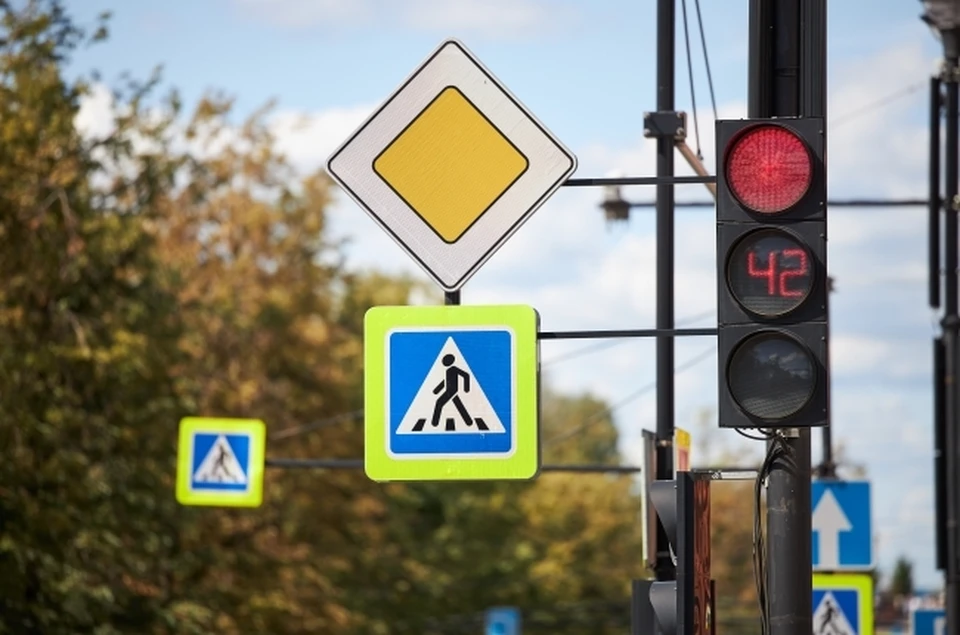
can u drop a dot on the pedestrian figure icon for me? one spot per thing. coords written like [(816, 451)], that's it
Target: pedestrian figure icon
[(830, 612), (449, 391), (220, 469), (450, 399), (220, 465), (835, 613)]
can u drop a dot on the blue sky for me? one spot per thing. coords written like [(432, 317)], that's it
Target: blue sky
[(587, 70)]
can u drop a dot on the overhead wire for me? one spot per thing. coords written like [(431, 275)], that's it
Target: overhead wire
[(316, 425), (693, 92), (597, 416), (882, 102), (706, 59)]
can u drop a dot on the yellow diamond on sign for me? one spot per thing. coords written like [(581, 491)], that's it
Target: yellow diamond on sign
[(450, 164)]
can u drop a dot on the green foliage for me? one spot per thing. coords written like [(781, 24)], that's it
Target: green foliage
[(901, 582), (178, 266), (88, 335)]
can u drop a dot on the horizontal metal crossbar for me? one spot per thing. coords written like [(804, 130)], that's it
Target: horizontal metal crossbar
[(639, 180), (357, 464), (615, 333)]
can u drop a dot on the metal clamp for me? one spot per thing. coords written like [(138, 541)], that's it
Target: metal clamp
[(672, 125)]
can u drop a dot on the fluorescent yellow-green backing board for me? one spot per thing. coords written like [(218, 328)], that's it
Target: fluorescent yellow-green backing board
[(220, 462), (839, 597), (451, 393)]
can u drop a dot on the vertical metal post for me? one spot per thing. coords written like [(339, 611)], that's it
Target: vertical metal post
[(642, 619), (666, 57), (939, 455), (827, 467), (951, 327), (792, 35), (451, 297), (935, 202)]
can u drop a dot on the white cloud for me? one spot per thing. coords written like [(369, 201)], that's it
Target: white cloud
[(95, 118), (308, 139), (496, 18), (306, 13)]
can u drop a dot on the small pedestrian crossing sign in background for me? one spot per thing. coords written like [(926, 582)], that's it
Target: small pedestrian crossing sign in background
[(451, 393), (842, 604), (220, 462)]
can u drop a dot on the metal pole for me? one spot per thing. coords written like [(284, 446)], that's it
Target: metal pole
[(791, 34), (666, 56), (934, 202), (951, 322), (827, 467), (451, 297)]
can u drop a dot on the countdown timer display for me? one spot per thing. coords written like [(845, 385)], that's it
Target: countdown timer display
[(771, 376), (770, 273)]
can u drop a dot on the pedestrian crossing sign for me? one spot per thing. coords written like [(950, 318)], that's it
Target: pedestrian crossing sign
[(842, 604), (220, 462), (451, 393)]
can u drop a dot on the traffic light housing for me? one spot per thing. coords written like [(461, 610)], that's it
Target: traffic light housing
[(683, 606), (772, 273)]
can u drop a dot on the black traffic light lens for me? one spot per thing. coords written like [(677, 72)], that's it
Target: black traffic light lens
[(771, 376), (770, 273)]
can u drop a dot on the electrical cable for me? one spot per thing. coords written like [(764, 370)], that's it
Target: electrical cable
[(879, 103), (763, 436), (706, 59), (777, 450), (693, 92), (316, 425), (693, 361)]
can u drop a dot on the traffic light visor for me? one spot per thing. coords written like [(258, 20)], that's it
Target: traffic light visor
[(768, 168)]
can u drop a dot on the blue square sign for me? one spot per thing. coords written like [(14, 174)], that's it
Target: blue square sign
[(842, 527), (450, 392), (221, 462), (928, 622)]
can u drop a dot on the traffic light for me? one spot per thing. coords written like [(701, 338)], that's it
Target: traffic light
[(772, 273), (683, 606)]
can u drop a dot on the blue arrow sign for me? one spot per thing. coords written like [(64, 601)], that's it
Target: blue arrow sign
[(928, 622), (503, 620), (842, 527)]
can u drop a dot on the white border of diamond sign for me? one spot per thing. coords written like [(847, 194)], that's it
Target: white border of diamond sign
[(550, 165)]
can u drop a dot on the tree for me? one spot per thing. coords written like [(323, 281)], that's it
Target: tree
[(87, 335), (175, 266), (901, 582)]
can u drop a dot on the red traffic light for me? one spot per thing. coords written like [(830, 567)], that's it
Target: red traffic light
[(768, 168)]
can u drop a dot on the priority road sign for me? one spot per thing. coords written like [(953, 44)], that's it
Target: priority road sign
[(451, 165), (451, 393), (220, 462), (842, 527), (928, 622), (842, 604)]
